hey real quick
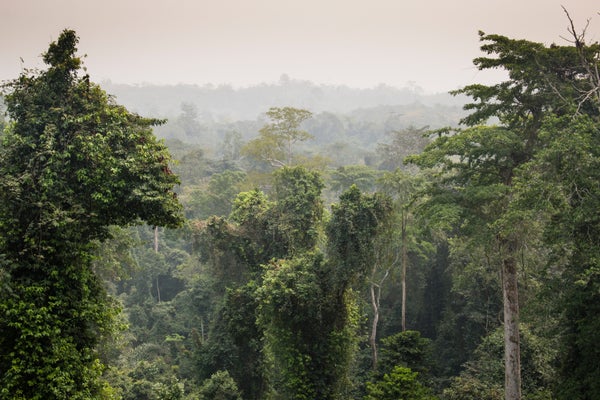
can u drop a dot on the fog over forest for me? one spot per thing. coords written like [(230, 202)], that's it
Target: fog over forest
[(315, 237), (227, 103)]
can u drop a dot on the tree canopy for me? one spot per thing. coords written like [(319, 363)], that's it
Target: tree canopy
[(73, 164)]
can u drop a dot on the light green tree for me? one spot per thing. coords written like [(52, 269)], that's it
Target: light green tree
[(276, 140)]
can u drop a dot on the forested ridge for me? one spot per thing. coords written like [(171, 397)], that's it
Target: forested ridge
[(412, 250)]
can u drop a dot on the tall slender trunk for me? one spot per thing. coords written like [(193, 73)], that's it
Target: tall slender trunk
[(373, 337), (404, 266), (512, 357), (156, 251), (375, 302), (156, 239)]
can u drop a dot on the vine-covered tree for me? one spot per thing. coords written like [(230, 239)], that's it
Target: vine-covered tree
[(73, 163)]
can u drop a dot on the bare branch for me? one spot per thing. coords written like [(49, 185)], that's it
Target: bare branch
[(579, 40)]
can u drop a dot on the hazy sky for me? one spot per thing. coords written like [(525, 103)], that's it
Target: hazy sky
[(246, 42)]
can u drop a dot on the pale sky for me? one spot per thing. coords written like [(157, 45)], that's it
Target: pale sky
[(246, 42)]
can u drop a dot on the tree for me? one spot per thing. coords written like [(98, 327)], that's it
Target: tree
[(400, 383), (277, 138), (363, 176), (240, 252), (564, 185), (482, 375), (216, 197), (357, 225), (403, 143), (351, 233), (407, 349), (231, 146), (404, 189), (2, 120), (309, 323), (73, 164), (220, 386), (299, 208), (477, 165), (480, 164)]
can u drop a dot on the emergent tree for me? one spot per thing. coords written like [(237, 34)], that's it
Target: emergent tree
[(73, 163)]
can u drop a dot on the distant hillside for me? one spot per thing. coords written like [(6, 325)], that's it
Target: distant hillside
[(227, 104)]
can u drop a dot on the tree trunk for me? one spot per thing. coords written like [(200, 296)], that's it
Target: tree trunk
[(512, 358), (375, 302), (373, 337), (156, 251), (156, 239), (404, 266)]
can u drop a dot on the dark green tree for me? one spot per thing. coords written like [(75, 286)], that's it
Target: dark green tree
[(482, 375), (400, 383), (564, 184), (298, 209), (351, 233), (220, 386), (407, 349), (236, 250), (310, 329), (480, 164), (73, 163)]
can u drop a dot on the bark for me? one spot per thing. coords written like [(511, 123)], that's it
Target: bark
[(375, 301), (373, 337), (156, 251), (404, 266), (156, 239), (512, 358)]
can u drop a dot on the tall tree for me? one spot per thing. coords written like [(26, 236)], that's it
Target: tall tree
[(277, 138), (299, 208), (73, 164), (358, 228), (404, 189), (480, 163), (476, 184), (310, 328)]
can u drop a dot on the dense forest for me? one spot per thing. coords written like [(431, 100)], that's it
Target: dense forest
[(294, 241)]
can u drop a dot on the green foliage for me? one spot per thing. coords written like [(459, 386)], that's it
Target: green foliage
[(402, 143), (220, 386), (564, 187), (73, 163), (483, 375), (214, 199), (351, 232), (276, 139), (309, 323), (250, 308), (249, 207), (235, 343), (542, 80), (400, 383), (477, 167), (299, 209), (258, 230), (406, 349), (363, 176)]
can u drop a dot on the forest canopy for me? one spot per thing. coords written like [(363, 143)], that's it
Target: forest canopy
[(390, 252)]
